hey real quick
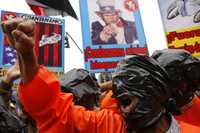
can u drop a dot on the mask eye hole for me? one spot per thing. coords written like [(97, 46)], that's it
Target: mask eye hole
[(125, 101)]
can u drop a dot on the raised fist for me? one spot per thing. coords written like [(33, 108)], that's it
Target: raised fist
[(21, 34)]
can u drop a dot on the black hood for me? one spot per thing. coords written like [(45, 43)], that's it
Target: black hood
[(142, 76), (82, 85), (183, 70)]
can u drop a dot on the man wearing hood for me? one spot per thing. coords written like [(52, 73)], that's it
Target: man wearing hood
[(184, 73)]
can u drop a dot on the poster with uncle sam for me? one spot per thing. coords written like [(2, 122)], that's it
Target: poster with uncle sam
[(111, 29)]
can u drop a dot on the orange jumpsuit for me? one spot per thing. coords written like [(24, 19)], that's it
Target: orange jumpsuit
[(188, 128), (109, 102), (54, 111), (192, 115)]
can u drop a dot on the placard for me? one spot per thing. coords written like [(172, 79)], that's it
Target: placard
[(49, 41), (111, 29), (181, 20)]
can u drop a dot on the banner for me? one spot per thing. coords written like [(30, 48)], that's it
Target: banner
[(181, 19), (111, 29), (49, 41)]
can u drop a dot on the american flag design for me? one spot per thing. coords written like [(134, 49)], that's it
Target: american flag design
[(49, 43), (48, 54), (9, 55)]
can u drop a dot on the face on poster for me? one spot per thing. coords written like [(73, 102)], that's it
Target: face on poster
[(49, 42), (111, 29), (112, 23), (181, 20)]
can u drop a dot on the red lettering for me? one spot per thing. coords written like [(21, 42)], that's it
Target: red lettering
[(130, 51), (103, 65), (189, 48), (171, 37), (103, 53), (182, 35)]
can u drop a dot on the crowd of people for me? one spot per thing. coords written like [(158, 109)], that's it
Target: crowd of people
[(146, 94)]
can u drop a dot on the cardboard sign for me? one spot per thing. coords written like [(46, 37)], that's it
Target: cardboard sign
[(49, 41), (181, 21), (111, 29)]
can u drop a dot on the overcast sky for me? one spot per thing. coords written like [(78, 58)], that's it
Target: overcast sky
[(73, 58)]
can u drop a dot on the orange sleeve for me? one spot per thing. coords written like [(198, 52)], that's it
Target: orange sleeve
[(108, 102), (106, 120), (100, 121), (55, 112), (43, 100), (191, 115), (40, 93)]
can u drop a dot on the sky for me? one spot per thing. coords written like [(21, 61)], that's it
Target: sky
[(151, 20)]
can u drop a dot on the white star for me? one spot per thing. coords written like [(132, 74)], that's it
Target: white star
[(8, 49), (13, 60), (8, 64), (10, 55)]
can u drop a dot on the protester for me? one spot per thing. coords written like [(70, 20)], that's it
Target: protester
[(40, 93), (184, 72), (83, 86), (9, 121), (54, 111), (140, 86)]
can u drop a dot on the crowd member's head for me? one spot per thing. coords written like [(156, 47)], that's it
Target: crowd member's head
[(141, 87), (184, 73), (107, 11), (83, 86)]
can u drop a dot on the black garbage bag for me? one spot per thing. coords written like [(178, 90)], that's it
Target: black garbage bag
[(142, 77), (83, 86), (9, 122), (184, 73)]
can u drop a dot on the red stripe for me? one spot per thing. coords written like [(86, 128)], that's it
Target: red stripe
[(5, 40), (37, 39), (46, 47), (55, 47)]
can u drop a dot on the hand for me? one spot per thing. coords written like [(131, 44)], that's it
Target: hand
[(13, 73), (107, 33), (20, 34), (109, 30), (22, 31)]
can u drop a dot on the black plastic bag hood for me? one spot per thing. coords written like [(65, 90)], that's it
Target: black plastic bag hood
[(82, 85), (183, 70), (141, 76)]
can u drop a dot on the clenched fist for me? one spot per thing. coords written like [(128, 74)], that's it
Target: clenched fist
[(21, 34)]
